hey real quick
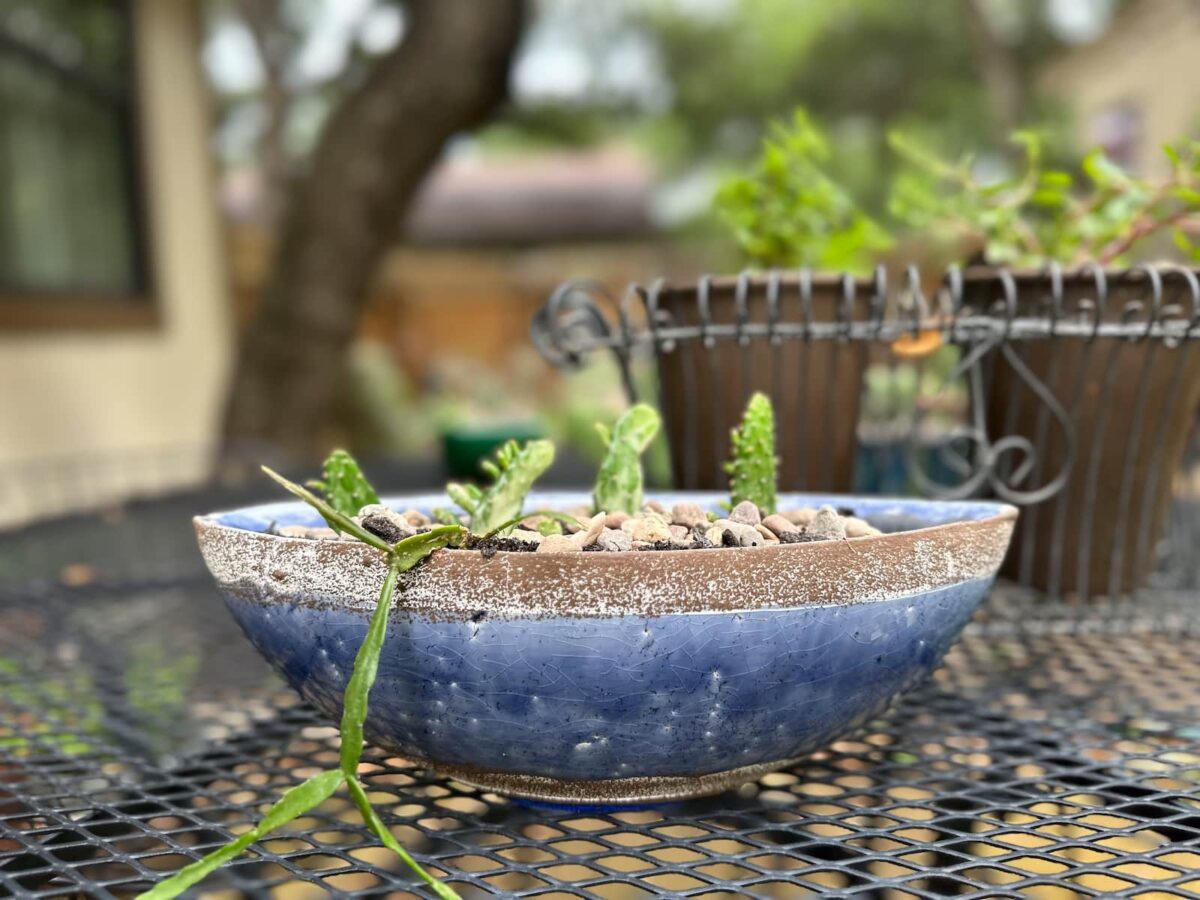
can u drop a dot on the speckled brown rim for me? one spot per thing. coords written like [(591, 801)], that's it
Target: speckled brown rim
[(457, 584), (641, 789)]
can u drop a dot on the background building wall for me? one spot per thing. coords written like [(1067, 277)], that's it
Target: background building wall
[(1138, 86), (102, 393)]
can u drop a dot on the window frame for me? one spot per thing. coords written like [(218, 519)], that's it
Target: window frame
[(101, 310)]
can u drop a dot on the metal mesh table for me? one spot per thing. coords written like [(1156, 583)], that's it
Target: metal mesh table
[(1055, 754)]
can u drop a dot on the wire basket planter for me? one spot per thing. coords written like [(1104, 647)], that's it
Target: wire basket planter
[(1078, 392)]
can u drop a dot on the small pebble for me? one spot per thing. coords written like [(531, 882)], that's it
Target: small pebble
[(615, 519), (680, 533), (688, 514), (827, 525), (715, 535), (744, 535), (416, 518), (745, 513), (700, 539), (386, 528), (856, 527), (651, 528), (801, 516), (558, 543), (614, 539), (293, 531), (653, 506), (586, 536), (579, 514), (403, 526), (768, 535), (779, 524)]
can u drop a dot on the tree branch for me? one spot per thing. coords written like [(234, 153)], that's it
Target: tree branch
[(447, 75)]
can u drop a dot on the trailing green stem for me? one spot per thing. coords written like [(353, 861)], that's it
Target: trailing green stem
[(373, 822), (304, 797), (294, 803)]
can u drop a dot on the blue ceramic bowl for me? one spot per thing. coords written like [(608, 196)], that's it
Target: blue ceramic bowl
[(616, 677)]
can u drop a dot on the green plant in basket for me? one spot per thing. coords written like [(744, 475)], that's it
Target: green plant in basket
[(1038, 215), (789, 211)]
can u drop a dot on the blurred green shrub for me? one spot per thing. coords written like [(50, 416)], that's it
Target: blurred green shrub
[(1040, 215), (787, 211)]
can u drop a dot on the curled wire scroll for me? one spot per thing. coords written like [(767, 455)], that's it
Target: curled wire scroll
[(582, 317)]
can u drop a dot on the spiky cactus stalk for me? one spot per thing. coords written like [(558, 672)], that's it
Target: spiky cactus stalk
[(343, 484), (619, 481), (513, 473), (752, 470)]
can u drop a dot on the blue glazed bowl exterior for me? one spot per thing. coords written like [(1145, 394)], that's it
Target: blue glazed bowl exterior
[(529, 689)]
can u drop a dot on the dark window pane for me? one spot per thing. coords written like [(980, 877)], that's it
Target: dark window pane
[(68, 200)]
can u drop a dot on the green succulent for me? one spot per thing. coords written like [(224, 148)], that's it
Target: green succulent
[(619, 481), (753, 470), (343, 484), (513, 474)]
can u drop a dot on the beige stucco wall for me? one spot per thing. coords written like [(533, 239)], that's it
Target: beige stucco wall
[(1148, 59), (97, 395)]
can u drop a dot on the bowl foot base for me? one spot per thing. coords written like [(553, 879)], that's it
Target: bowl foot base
[(579, 792)]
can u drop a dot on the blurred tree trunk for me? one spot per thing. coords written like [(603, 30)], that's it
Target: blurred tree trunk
[(1002, 78), (448, 74), (263, 20)]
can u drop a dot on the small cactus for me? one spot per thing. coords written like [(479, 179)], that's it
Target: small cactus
[(343, 484), (619, 481), (752, 470), (513, 473)]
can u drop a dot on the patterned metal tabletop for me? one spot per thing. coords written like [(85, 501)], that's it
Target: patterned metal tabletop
[(1047, 758)]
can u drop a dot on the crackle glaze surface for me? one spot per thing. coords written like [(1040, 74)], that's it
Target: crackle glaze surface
[(689, 676)]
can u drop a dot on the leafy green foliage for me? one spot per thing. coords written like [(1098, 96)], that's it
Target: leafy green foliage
[(789, 212), (513, 474), (299, 800), (1038, 215), (619, 481), (343, 484), (753, 468)]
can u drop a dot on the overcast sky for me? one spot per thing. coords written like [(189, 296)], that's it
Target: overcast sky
[(573, 47)]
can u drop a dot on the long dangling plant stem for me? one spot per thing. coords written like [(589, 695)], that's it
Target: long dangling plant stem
[(359, 796), (366, 666), (304, 797), (295, 802)]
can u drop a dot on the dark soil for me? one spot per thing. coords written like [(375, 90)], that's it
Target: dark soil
[(797, 537), (490, 546), (382, 526)]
